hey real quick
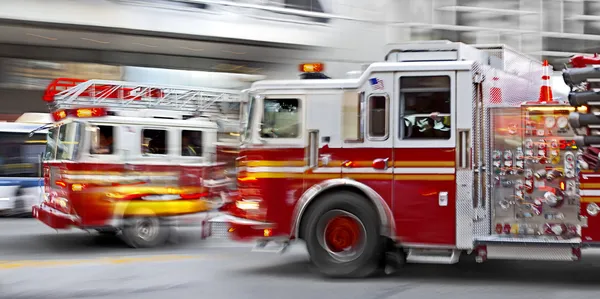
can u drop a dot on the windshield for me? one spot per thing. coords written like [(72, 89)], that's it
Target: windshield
[(63, 142), (248, 118)]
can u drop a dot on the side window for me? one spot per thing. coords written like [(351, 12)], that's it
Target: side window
[(102, 142), (154, 142), (191, 143), (425, 108), (352, 117), (378, 106), (281, 118)]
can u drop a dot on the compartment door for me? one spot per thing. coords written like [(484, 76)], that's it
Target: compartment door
[(425, 159)]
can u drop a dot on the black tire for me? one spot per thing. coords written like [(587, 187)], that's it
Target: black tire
[(367, 261), (135, 236)]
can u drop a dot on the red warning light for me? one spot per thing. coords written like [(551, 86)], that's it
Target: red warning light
[(88, 112), (59, 114)]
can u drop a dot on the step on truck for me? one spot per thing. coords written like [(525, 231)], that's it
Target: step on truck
[(440, 151)]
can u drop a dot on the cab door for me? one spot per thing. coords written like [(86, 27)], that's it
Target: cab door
[(424, 149), (369, 159)]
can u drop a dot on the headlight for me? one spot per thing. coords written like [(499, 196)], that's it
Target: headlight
[(248, 204)]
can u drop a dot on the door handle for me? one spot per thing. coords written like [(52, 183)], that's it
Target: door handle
[(381, 163)]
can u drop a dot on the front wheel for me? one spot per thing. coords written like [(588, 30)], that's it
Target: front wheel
[(341, 231), (145, 232)]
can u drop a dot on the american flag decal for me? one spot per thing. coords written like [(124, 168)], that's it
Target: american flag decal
[(376, 83)]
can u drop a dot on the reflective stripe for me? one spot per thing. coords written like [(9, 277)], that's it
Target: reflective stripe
[(396, 170)]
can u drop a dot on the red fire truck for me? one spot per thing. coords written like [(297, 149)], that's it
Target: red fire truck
[(127, 158), (442, 149)]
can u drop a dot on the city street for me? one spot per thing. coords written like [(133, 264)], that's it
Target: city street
[(37, 262)]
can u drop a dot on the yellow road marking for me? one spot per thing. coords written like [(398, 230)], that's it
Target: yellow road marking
[(7, 264)]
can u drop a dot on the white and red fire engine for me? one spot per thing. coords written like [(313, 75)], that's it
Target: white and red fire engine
[(124, 157), (442, 149)]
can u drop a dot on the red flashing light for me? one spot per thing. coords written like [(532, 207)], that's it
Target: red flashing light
[(59, 114), (79, 113), (312, 67), (88, 112)]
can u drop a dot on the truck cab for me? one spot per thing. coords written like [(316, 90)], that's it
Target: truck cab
[(400, 160), (118, 168)]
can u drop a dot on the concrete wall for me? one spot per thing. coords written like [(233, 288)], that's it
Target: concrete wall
[(168, 20)]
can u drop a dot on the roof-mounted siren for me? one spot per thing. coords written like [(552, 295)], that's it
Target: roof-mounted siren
[(584, 79), (312, 71)]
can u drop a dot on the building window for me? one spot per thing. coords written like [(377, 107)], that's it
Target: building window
[(281, 118), (191, 143), (426, 107), (154, 142), (378, 117), (102, 142)]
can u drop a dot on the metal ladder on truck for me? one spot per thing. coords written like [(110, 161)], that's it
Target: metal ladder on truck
[(68, 93)]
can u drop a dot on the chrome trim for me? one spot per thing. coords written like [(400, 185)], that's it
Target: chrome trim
[(313, 149), (427, 246), (56, 213), (238, 220), (463, 153), (217, 183), (387, 116), (388, 227)]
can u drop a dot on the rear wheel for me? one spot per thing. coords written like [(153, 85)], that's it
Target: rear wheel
[(341, 231)]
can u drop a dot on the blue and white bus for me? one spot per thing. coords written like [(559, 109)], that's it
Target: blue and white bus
[(21, 185)]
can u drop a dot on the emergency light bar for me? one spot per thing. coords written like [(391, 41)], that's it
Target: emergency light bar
[(312, 71), (79, 113), (312, 67)]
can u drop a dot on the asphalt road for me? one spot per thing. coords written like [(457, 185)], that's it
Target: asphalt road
[(36, 262)]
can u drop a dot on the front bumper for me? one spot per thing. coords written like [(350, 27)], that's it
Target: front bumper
[(241, 229), (54, 218)]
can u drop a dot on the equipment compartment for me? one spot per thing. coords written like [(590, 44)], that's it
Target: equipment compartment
[(534, 172)]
